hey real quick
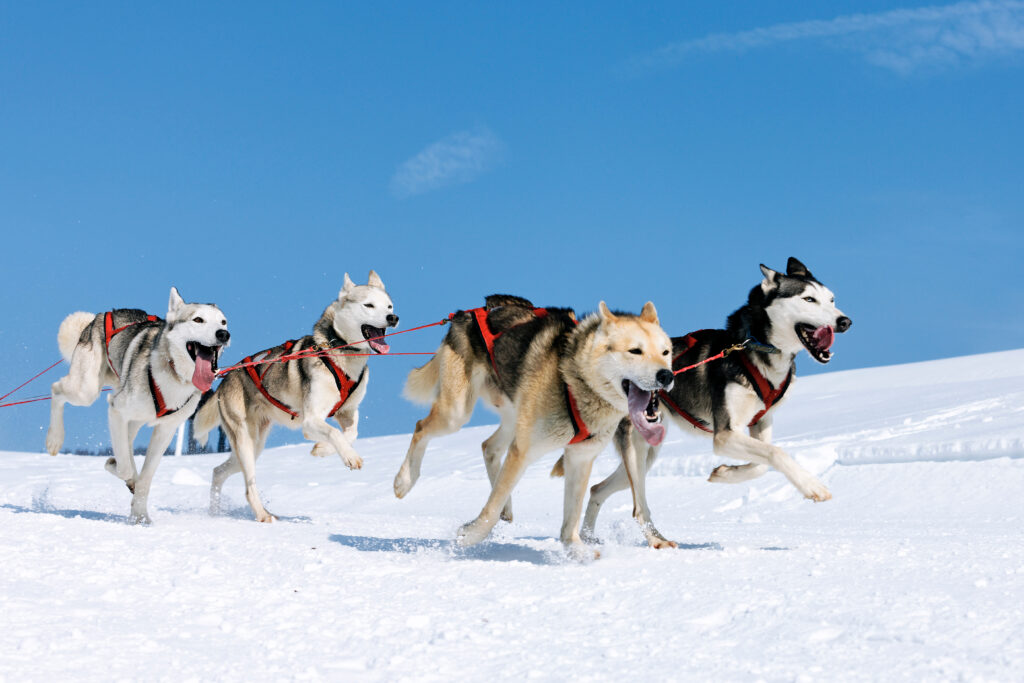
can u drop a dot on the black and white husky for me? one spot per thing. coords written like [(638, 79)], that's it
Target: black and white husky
[(157, 368), (784, 314)]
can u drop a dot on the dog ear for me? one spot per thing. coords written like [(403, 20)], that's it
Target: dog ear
[(649, 314), (347, 287), (374, 280), (175, 301), (796, 269), (606, 315), (771, 279)]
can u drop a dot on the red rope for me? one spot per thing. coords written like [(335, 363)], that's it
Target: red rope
[(718, 355), (33, 378), (315, 352)]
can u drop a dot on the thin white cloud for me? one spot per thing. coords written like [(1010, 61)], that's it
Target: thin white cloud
[(901, 40), (458, 158)]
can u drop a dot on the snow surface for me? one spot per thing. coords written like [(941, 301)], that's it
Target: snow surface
[(914, 571)]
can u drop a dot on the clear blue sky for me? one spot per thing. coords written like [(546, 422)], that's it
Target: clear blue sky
[(251, 153)]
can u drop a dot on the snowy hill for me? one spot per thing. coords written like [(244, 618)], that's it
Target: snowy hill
[(915, 569)]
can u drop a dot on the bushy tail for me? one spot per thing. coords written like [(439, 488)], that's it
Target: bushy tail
[(71, 331), (424, 382), (559, 469), (206, 418)]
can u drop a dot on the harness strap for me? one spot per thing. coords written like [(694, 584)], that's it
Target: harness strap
[(109, 332), (480, 314), (768, 394), (345, 385), (257, 379), (578, 426), (158, 398), (695, 421)]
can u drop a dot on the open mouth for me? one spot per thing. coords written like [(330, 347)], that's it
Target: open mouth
[(205, 358), (817, 340), (644, 412), (373, 335)]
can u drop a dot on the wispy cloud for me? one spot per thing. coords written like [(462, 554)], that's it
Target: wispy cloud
[(458, 158), (901, 40)]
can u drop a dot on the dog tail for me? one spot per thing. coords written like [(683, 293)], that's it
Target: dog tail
[(559, 469), (206, 418), (424, 382), (71, 331)]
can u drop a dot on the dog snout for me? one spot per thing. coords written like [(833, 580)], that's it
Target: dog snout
[(664, 378), (843, 323), (392, 320), (222, 336)]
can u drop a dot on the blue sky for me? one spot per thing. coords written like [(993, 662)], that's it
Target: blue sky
[(251, 153)]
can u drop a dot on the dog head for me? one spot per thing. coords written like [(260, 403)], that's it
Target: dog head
[(196, 333), (363, 313), (802, 311), (633, 359)]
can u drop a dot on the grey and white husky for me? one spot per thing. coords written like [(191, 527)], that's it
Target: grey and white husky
[(302, 392), (785, 314), (157, 368)]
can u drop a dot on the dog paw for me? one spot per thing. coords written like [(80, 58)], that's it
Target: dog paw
[(506, 513), (579, 552), (659, 543), (321, 449), (472, 533), (141, 519), (54, 440), (814, 490), (723, 474), (265, 517), (403, 482), (353, 463), (130, 483)]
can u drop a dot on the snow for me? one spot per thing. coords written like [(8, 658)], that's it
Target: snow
[(915, 569)]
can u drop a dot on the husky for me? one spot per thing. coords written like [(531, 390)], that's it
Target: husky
[(157, 368), (554, 383), (329, 380), (784, 315)]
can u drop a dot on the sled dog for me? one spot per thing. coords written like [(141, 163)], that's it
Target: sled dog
[(303, 392), (784, 314), (554, 383), (157, 368)]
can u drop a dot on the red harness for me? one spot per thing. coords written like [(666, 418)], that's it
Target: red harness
[(158, 398), (345, 385), (579, 427), (109, 332), (768, 394)]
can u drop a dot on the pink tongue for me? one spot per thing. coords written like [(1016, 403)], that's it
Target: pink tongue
[(823, 337), (638, 400), (379, 345), (202, 377)]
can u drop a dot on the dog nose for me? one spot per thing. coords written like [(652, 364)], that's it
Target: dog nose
[(843, 324), (392, 320), (664, 378), (223, 336)]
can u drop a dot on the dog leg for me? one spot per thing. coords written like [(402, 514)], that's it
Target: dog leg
[(442, 420), (122, 465), (451, 409), (349, 423), (735, 474), (519, 456), (578, 462), (163, 433), (494, 447), (80, 387), (635, 460), (319, 430), (245, 455), (220, 474), (731, 444)]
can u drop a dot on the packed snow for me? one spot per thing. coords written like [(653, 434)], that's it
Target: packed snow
[(914, 570)]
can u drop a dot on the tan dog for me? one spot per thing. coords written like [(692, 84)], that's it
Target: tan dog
[(555, 384)]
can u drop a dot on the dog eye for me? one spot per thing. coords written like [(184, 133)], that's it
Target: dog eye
[(223, 322), (810, 300), (198, 320), (665, 352), (368, 305), (636, 352)]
